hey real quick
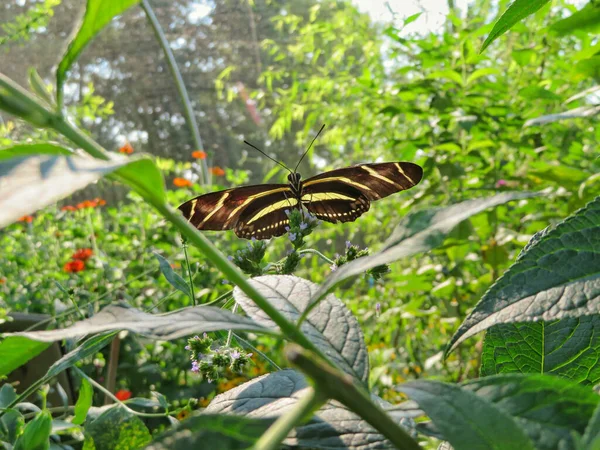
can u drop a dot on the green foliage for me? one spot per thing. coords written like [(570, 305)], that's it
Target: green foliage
[(23, 25)]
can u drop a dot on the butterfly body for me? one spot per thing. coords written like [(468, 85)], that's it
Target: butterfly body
[(340, 195)]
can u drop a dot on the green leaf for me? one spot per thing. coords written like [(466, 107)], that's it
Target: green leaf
[(30, 183), (98, 14), (16, 351), (223, 431), (84, 401), (145, 178), (556, 276), (568, 348), (36, 435), (591, 436), (116, 428), (586, 19), (173, 277), (518, 10), (548, 408), (331, 326), (484, 72), (448, 74), (466, 421), (538, 92), (417, 233), (160, 326), (412, 18), (22, 150)]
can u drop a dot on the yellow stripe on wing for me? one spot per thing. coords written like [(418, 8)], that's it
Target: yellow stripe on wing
[(287, 203)]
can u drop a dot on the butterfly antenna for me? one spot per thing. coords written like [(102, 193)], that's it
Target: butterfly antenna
[(272, 159), (313, 141)]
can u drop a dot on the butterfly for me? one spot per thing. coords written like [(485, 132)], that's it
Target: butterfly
[(261, 211)]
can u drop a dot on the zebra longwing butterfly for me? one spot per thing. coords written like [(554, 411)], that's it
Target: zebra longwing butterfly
[(340, 195)]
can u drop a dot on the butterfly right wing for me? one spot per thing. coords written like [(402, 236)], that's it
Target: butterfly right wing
[(222, 210)]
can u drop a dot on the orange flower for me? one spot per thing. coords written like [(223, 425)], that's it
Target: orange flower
[(27, 219), (99, 201), (127, 149), (217, 171), (86, 204), (74, 266), (182, 182), (83, 255), (199, 154), (123, 394), (68, 208)]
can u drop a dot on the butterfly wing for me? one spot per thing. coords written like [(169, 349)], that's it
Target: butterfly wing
[(342, 195), (222, 210), (266, 217)]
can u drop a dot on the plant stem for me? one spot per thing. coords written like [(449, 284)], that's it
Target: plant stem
[(301, 411), (179, 84), (189, 271), (315, 252), (113, 364), (341, 387), (230, 332)]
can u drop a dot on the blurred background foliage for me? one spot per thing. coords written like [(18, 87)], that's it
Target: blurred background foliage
[(520, 116)]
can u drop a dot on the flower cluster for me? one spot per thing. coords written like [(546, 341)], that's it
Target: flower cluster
[(250, 258), (78, 259), (354, 252), (85, 204), (213, 363), (301, 224)]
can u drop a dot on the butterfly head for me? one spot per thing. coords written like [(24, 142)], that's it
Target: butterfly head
[(294, 178)]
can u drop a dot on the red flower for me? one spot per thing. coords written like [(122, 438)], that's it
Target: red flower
[(182, 182), (86, 204), (68, 208), (127, 149), (217, 171), (74, 266), (27, 219), (99, 201), (123, 394), (199, 154), (83, 255)]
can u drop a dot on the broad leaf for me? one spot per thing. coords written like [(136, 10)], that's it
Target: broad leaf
[(116, 428), (591, 436), (568, 348), (576, 113), (586, 19), (173, 277), (163, 327), (84, 401), (224, 431), (518, 10), (330, 326), (269, 396), (548, 408), (22, 150), (417, 233), (145, 178), (36, 435), (28, 184), (558, 276), (467, 421), (16, 351), (98, 14)]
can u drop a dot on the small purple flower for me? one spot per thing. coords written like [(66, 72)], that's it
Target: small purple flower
[(204, 335), (235, 354), (292, 237), (249, 355), (188, 347), (230, 258), (348, 244), (378, 308), (333, 267), (195, 367), (303, 225), (196, 337), (287, 212), (250, 245), (287, 228), (501, 183), (225, 281), (254, 239)]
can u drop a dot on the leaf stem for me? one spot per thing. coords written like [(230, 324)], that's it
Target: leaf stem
[(189, 270), (301, 411), (341, 387), (179, 84), (316, 252)]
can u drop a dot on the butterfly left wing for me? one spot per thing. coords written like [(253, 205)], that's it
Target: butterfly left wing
[(342, 195), (223, 210)]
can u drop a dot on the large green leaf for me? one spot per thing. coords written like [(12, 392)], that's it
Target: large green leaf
[(330, 326), (518, 10), (417, 232), (16, 351), (466, 420), (556, 276), (22, 150), (160, 326), (586, 19), (30, 183), (84, 401), (568, 347), (548, 408), (142, 175), (222, 431), (98, 13), (116, 428), (36, 435)]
